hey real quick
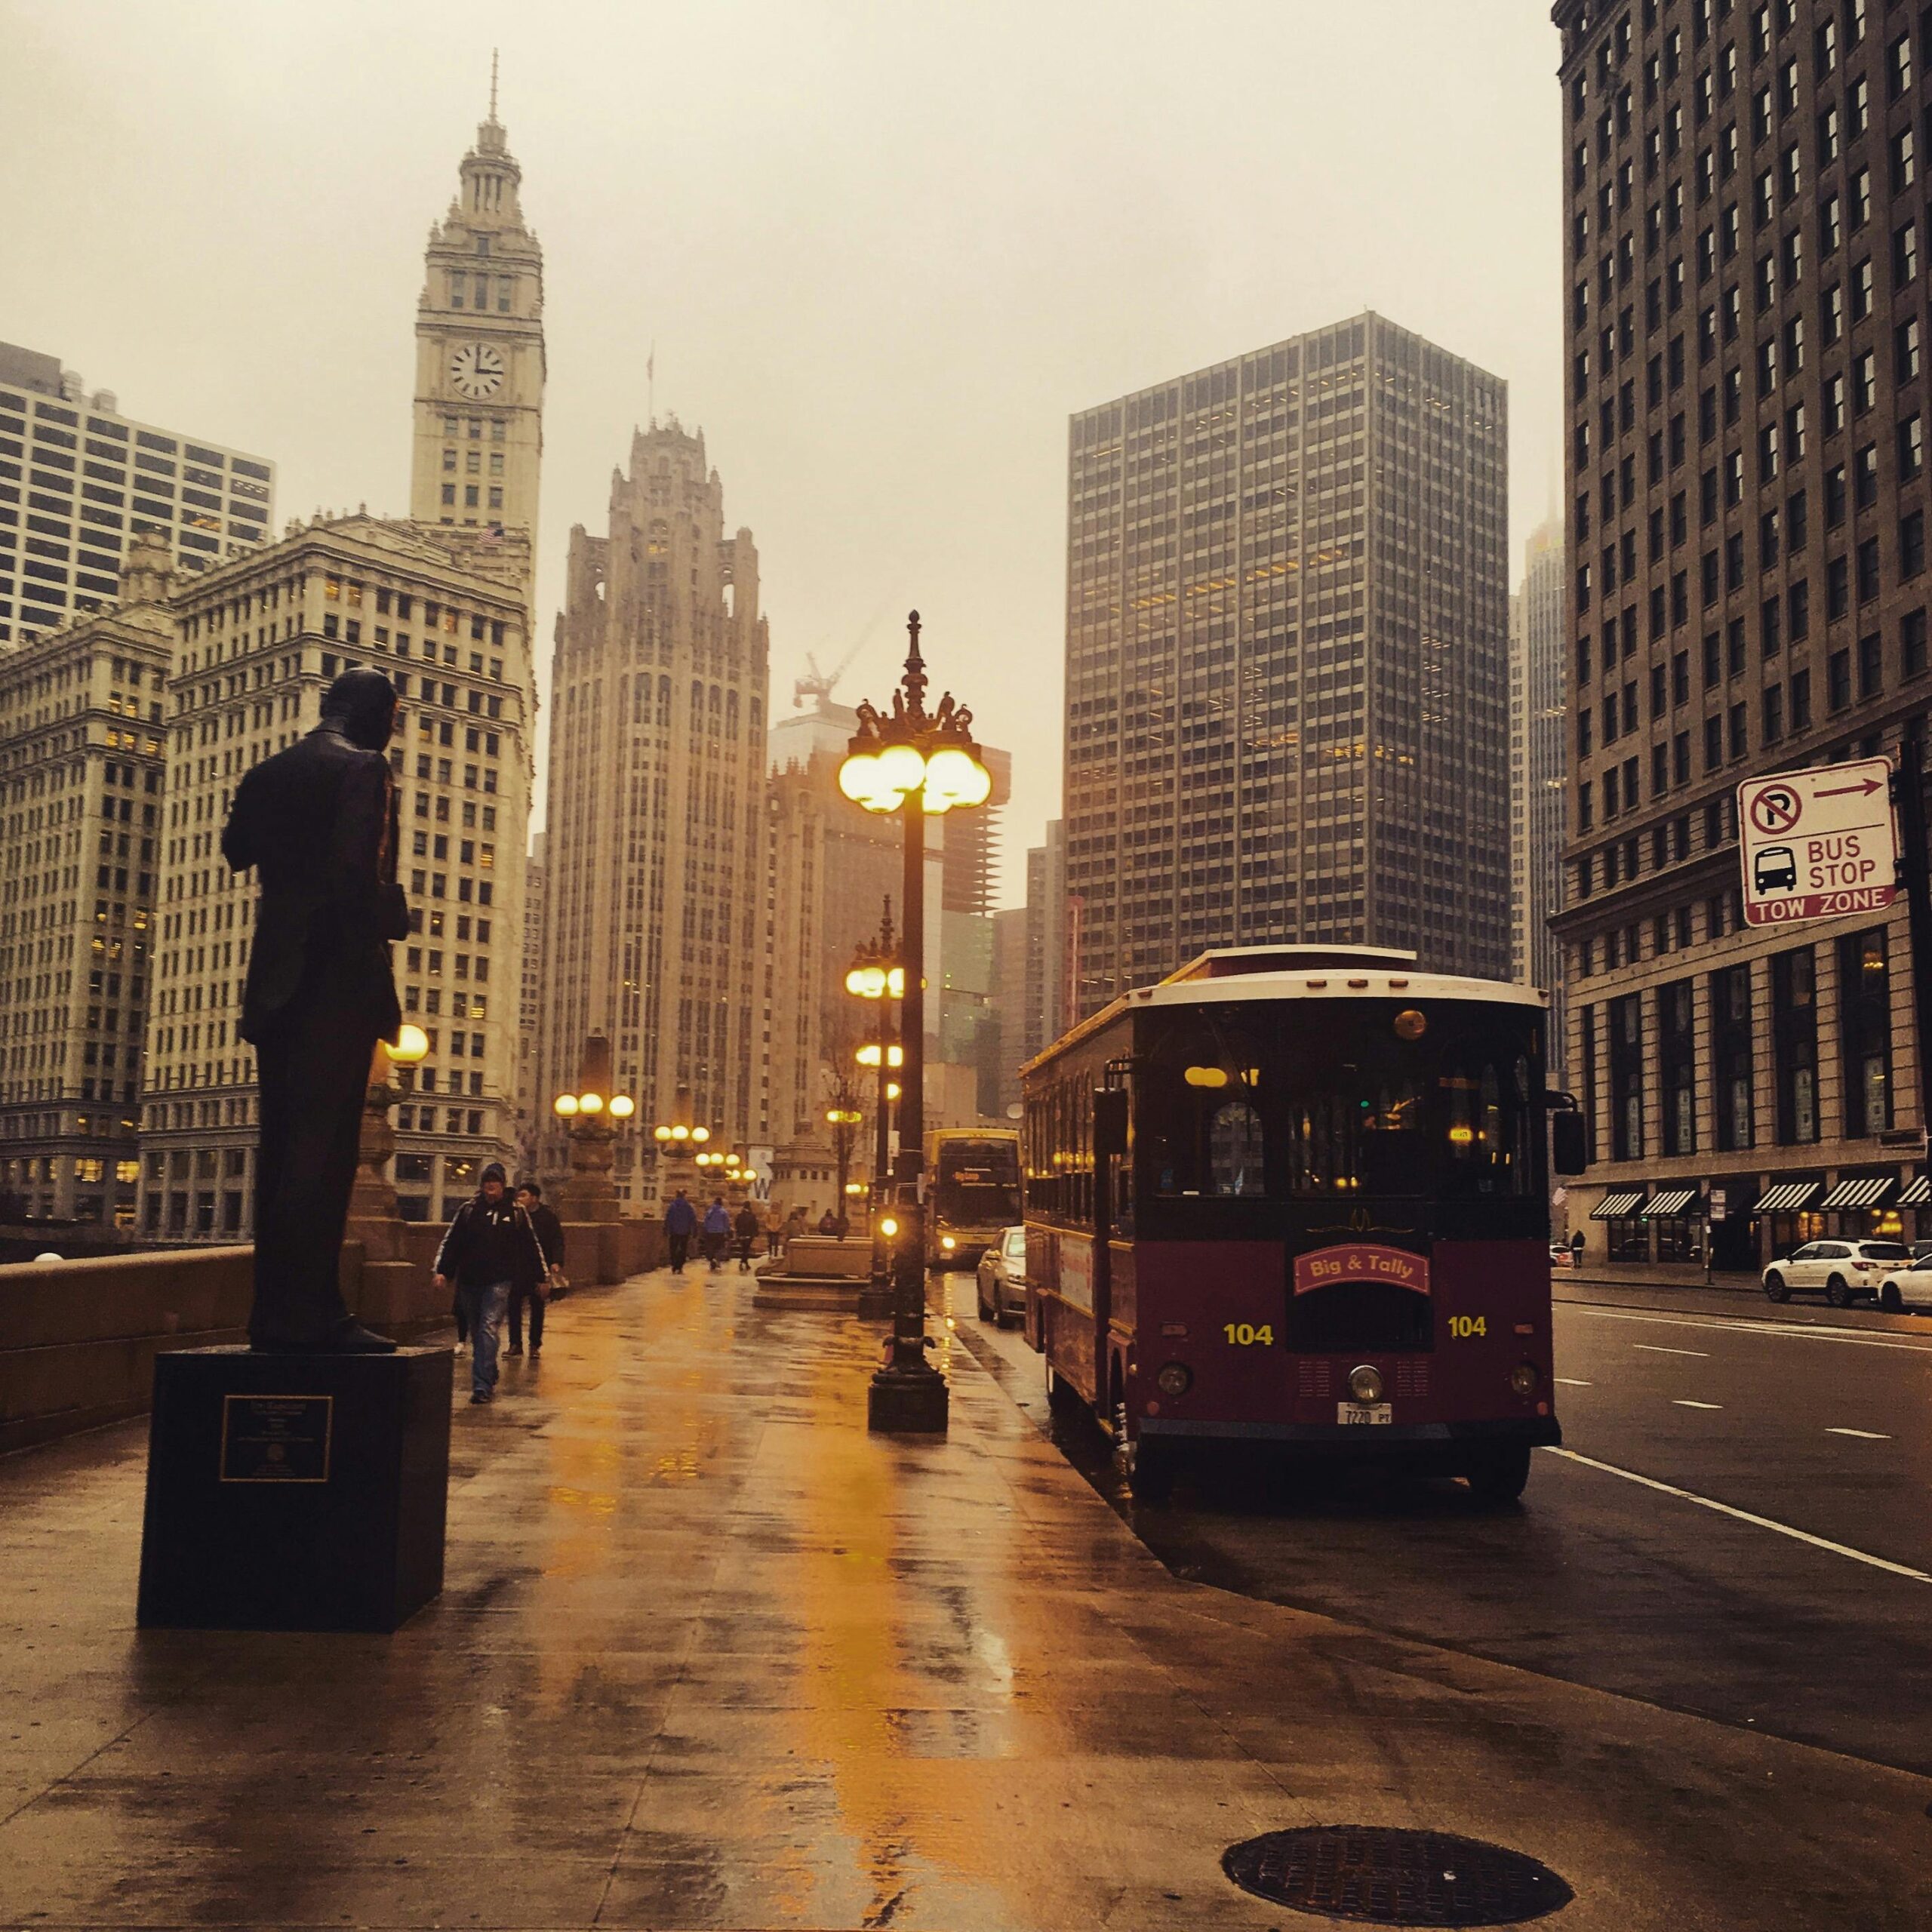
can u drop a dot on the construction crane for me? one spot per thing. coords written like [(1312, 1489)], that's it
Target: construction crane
[(817, 684)]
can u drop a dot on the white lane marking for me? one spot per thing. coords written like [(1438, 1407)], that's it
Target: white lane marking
[(1681, 1403), (1863, 1435), (1657, 1349), (1753, 1325), (1745, 1516), (1571, 1382)]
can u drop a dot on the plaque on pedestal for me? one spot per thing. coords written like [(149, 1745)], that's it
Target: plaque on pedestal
[(295, 1492)]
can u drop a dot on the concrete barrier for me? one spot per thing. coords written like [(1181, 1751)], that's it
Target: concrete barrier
[(824, 1257), (78, 1339)]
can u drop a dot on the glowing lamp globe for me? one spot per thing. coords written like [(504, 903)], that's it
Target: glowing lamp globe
[(895, 983), (681, 1133), (661, 1132), (590, 1103), (623, 1106), (565, 1106), (700, 1134), (412, 1043)]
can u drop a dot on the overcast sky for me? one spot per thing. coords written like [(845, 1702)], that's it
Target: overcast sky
[(883, 247)]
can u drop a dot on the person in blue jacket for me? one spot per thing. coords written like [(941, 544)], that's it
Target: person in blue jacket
[(716, 1232), (680, 1224)]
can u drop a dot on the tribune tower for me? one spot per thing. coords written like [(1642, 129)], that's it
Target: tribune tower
[(480, 367)]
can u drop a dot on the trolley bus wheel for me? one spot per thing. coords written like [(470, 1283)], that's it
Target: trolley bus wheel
[(1500, 1473), (1062, 1396)]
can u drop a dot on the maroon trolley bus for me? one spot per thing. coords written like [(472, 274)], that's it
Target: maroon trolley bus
[(1297, 1194)]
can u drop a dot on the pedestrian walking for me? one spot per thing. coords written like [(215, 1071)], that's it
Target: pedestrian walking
[(549, 1232), (717, 1232), (774, 1230), (828, 1223), (746, 1228), (680, 1224), (490, 1248)]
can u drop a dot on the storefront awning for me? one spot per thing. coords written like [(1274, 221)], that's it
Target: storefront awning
[(1917, 1192), (1669, 1203), (1618, 1204), (1788, 1197), (1866, 1192)]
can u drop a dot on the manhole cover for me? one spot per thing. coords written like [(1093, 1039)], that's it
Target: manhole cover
[(1384, 1876)]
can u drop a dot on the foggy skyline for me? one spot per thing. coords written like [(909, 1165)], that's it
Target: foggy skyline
[(883, 256)]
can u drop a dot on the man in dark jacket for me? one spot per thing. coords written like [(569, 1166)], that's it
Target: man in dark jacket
[(317, 821), (746, 1228), (680, 1224), (549, 1231), (490, 1252)]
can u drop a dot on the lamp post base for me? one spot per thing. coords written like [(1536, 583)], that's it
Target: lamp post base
[(876, 1299), (907, 1401)]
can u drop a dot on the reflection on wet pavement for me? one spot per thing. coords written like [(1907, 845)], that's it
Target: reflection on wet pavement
[(710, 1655)]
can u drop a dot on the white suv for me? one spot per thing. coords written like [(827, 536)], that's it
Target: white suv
[(1906, 1286), (1846, 1271)]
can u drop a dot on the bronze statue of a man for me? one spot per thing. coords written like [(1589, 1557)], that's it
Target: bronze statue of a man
[(318, 822)]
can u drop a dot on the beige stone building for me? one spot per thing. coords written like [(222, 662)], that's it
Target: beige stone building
[(655, 828), (80, 764), (259, 640)]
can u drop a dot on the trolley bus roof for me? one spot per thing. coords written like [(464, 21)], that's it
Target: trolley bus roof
[(1251, 973)]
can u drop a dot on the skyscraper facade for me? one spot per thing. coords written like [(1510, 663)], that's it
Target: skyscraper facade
[(656, 825), (258, 640), (1745, 224), (79, 481), (1539, 738), (1287, 696), (82, 731)]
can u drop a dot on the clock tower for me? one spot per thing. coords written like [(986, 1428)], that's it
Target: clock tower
[(479, 365)]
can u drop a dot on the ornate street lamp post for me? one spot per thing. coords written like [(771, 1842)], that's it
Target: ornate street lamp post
[(593, 1117), (374, 1219), (877, 974), (921, 764)]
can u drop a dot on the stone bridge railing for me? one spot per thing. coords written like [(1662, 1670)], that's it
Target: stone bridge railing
[(78, 1339)]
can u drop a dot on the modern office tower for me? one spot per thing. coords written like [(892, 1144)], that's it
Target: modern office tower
[(532, 1108), (81, 766), (830, 867), (79, 481), (1048, 979), (1287, 660), (1540, 736), (1012, 1014), (258, 639), (656, 827), (1744, 284), (480, 367)]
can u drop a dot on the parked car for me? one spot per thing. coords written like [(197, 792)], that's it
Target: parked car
[(1844, 1271), (1002, 1277), (1907, 1288)]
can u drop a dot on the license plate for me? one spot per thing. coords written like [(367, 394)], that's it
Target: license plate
[(1359, 1413)]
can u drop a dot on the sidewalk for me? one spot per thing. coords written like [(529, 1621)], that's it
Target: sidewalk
[(710, 1655)]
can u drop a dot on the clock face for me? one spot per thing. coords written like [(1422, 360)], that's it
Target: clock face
[(476, 370)]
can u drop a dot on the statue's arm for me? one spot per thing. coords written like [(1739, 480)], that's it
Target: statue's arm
[(237, 842)]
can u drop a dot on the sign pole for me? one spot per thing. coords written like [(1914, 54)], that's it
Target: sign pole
[(1910, 789)]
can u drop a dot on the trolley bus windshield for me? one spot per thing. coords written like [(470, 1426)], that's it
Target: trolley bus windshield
[(1371, 1098)]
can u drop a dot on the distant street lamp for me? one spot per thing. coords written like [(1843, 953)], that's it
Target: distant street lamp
[(372, 1203), (593, 1117), (921, 764)]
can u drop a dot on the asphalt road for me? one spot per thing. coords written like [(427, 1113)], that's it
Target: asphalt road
[(1737, 1526)]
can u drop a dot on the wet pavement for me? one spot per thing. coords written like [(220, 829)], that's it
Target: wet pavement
[(710, 1655)]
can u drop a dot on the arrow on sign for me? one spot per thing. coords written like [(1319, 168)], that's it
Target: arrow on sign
[(1865, 786)]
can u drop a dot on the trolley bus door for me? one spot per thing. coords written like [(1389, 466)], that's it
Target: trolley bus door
[(1109, 1142)]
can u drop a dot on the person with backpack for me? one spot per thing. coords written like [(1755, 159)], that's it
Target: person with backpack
[(746, 1227), (717, 1232), (490, 1250)]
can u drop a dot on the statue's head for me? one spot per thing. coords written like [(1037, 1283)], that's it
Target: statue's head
[(361, 704)]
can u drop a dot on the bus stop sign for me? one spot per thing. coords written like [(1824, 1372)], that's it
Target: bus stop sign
[(1818, 845)]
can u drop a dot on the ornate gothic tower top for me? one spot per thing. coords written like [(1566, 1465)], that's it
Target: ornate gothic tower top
[(479, 358)]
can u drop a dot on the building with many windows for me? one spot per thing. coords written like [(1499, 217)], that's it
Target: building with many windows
[(1287, 696), (1746, 224), (81, 711), (79, 482), (1540, 750), (655, 832), (259, 639)]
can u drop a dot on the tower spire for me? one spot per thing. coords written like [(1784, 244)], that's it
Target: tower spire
[(492, 84)]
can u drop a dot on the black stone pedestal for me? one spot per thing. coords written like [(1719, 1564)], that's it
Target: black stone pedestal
[(911, 1401), (295, 1492)]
